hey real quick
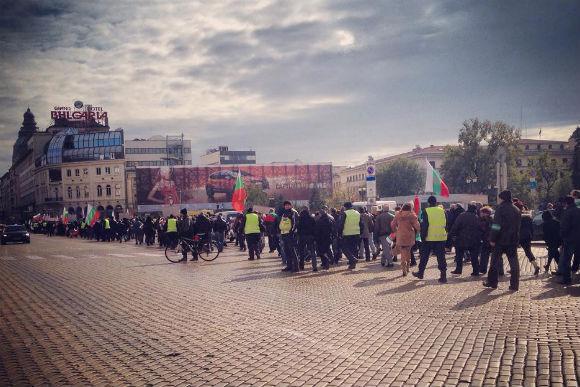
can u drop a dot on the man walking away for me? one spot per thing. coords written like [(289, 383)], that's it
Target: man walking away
[(252, 226), (467, 232), (288, 223), (171, 232), (551, 230), (323, 233), (351, 229), (219, 228), (434, 236), (185, 230), (485, 222), (305, 230), (367, 245), (570, 232), (526, 233), (504, 239), (383, 229), (406, 225)]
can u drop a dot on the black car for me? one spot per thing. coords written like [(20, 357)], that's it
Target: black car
[(15, 233)]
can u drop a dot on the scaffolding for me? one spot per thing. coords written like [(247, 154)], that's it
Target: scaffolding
[(174, 148)]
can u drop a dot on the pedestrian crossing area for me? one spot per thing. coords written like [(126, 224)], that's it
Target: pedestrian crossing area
[(75, 257)]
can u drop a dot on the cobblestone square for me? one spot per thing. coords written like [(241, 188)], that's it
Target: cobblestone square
[(76, 312)]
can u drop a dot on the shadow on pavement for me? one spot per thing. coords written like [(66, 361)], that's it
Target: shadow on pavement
[(374, 281), (479, 299), (407, 287), (554, 290)]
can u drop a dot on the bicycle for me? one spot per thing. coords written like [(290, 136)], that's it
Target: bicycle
[(206, 249)]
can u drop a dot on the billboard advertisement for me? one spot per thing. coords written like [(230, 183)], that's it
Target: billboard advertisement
[(160, 188)]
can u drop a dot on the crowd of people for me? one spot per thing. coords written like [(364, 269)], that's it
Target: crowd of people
[(478, 235)]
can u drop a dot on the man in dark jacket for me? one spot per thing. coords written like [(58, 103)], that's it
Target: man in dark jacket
[(287, 224), (383, 230), (219, 228), (551, 231), (305, 230), (185, 230), (504, 239), (570, 232), (467, 232), (324, 231)]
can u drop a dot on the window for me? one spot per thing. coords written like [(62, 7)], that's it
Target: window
[(564, 161), (86, 191), (561, 146), (538, 147), (550, 146), (69, 192), (519, 162), (108, 170), (99, 191), (68, 173), (77, 172), (78, 192), (527, 147), (85, 171), (432, 163), (117, 189), (530, 162), (98, 170), (117, 170), (108, 190)]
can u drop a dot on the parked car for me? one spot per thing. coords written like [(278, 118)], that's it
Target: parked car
[(225, 180), (15, 233), (537, 223)]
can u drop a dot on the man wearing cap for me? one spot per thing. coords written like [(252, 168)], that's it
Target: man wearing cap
[(287, 225), (252, 226), (504, 239), (351, 228), (434, 237), (185, 230)]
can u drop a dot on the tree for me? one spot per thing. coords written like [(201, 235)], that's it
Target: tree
[(256, 196), (316, 200), (338, 198), (547, 175), (470, 166), (399, 178), (576, 160)]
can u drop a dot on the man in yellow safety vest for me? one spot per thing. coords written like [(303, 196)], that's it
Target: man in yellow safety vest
[(433, 237), (252, 226), (351, 228), (171, 231)]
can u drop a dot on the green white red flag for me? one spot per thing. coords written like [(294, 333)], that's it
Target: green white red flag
[(65, 217), (434, 183), (92, 215), (239, 196)]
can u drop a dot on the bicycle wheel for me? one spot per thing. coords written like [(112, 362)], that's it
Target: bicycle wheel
[(174, 254), (209, 251)]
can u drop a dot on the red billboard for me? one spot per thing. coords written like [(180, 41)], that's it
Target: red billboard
[(208, 186)]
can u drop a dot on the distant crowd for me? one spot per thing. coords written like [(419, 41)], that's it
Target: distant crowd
[(478, 235)]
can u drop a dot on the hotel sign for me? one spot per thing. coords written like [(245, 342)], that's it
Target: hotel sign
[(85, 113)]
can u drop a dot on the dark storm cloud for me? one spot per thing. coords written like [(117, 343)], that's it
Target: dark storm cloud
[(313, 80)]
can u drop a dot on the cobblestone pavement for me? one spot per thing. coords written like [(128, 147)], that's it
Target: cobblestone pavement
[(82, 313)]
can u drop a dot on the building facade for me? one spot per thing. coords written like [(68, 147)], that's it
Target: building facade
[(222, 155), (156, 151)]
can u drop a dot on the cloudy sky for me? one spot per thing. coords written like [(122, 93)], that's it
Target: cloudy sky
[(311, 80)]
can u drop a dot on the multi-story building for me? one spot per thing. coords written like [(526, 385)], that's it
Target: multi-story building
[(352, 181), (223, 156), (75, 162), (153, 151)]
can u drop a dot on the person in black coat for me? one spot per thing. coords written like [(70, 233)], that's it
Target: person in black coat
[(324, 232), (305, 229), (551, 229), (467, 232), (570, 233), (526, 234)]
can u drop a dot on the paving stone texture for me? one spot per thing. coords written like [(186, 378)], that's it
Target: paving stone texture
[(75, 312)]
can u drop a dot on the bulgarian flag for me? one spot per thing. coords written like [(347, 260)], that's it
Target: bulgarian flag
[(65, 218), (434, 183), (240, 195), (92, 215)]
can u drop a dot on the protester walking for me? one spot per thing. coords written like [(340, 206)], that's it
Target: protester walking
[(383, 229), (434, 237), (305, 230), (252, 226), (351, 228), (467, 232), (504, 239), (406, 226), (570, 233)]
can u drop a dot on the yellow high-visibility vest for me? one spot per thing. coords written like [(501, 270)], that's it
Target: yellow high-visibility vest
[(171, 225), (285, 225), (351, 223), (252, 225), (107, 224), (437, 222)]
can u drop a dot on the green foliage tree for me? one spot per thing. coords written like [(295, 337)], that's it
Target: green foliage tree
[(316, 200), (470, 166), (576, 159), (256, 196), (399, 178), (547, 174), (338, 198)]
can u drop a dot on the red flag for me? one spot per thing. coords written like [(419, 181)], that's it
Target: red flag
[(416, 205), (240, 194)]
